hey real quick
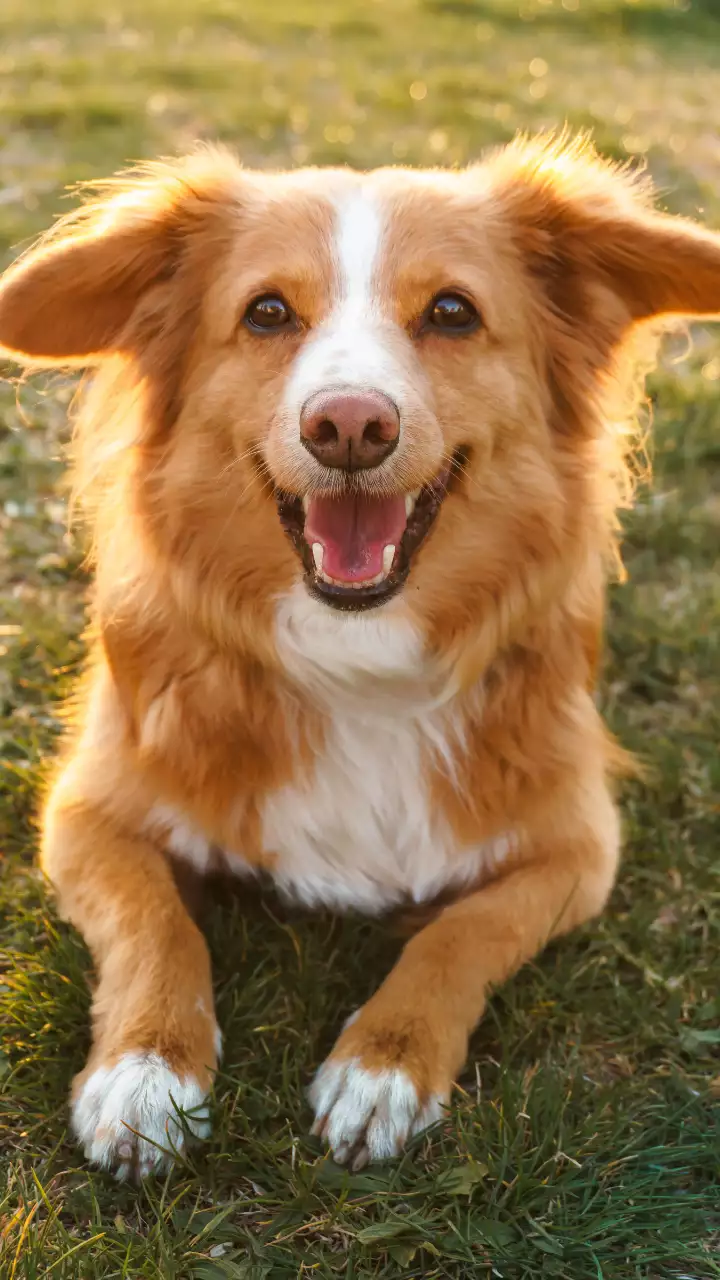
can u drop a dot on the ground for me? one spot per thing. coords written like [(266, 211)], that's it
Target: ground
[(584, 1140)]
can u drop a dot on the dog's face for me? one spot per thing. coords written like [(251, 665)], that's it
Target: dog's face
[(368, 350), (381, 384)]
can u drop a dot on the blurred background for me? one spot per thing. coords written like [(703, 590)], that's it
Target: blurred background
[(85, 85), (592, 1148)]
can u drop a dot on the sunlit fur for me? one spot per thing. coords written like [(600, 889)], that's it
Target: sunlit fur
[(216, 692)]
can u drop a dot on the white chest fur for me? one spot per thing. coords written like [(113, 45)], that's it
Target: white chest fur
[(359, 830)]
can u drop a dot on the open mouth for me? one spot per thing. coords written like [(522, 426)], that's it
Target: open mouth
[(357, 549)]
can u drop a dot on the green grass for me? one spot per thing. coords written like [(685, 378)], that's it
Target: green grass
[(586, 1144)]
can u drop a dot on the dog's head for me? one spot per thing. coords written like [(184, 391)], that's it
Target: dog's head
[(382, 384)]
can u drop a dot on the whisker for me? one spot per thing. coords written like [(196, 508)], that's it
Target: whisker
[(250, 452)]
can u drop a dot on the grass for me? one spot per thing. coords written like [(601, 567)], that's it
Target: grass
[(584, 1141)]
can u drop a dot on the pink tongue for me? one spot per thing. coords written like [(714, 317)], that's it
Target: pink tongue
[(353, 532)]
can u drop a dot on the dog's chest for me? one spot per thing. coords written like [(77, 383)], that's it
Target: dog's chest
[(358, 827), (359, 831)]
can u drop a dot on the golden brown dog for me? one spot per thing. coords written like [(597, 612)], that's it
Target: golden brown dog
[(353, 454)]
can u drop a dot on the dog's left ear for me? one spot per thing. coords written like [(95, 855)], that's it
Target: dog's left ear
[(579, 220), (72, 298)]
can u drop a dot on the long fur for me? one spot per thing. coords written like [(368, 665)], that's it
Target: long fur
[(446, 747)]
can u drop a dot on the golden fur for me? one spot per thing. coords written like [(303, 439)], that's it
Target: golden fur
[(177, 449)]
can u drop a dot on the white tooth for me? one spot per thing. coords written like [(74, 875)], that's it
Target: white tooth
[(306, 504), (388, 557), (409, 505), (318, 552)]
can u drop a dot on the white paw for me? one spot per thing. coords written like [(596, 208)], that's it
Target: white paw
[(126, 1116), (367, 1115)]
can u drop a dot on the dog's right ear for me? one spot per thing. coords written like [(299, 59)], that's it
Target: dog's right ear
[(70, 299), (582, 223)]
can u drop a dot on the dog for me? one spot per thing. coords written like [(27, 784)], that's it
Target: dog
[(352, 456)]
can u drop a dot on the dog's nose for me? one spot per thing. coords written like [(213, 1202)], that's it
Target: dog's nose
[(350, 429)]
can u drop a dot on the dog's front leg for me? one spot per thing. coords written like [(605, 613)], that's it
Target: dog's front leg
[(392, 1068), (155, 1039)]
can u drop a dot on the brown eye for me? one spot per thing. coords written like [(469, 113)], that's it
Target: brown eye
[(268, 312), (452, 313)]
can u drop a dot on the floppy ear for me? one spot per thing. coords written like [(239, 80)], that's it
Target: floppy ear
[(581, 218), (70, 298)]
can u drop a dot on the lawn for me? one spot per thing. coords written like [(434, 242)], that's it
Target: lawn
[(584, 1139)]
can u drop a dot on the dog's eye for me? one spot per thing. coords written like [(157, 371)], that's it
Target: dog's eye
[(452, 313), (267, 312)]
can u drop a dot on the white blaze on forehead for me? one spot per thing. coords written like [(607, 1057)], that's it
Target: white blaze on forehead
[(356, 345), (359, 237)]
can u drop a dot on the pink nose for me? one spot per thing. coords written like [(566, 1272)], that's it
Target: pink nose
[(350, 429)]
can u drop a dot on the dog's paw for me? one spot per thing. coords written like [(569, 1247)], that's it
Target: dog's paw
[(128, 1116), (365, 1114)]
